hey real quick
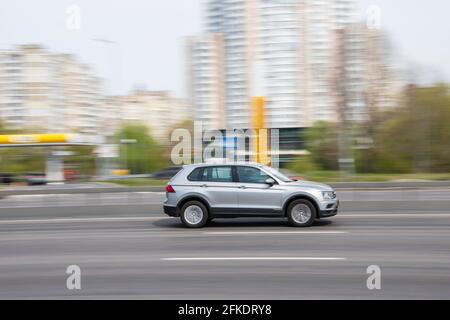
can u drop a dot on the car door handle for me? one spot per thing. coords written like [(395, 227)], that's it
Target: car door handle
[(243, 187), (204, 186)]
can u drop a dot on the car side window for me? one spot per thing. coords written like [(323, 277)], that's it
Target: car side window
[(251, 175), (196, 175), (218, 174)]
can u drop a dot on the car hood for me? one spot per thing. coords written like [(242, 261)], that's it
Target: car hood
[(309, 184)]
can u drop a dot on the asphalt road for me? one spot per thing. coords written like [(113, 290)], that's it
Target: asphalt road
[(127, 249)]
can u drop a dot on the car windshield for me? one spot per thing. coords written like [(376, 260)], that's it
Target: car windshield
[(277, 174)]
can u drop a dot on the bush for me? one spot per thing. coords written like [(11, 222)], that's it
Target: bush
[(144, 156), (322, 143), (303, 164), (416, 137)]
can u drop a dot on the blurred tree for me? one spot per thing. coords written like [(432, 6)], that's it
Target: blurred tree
[(82, 160), (303, 164), (20, 160), (23, 160), (322, 143), (5, 130), (145, 155), (416, 137), (413, 138)]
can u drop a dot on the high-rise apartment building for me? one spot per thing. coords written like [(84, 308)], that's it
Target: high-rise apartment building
[(206, 79), (48, 92), (282, 50)]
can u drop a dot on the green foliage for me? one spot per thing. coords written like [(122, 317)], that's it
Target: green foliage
[(416, 137), (5, 130), (303, 164), (322, 143), (144, 156), (412, 138), (22, 160), (82, 160)]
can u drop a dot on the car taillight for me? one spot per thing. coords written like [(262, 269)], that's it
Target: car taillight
[(170, 189)]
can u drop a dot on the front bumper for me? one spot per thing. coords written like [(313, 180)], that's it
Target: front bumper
[(330, 212), (171, 211)]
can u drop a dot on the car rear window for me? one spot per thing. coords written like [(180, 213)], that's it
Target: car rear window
[(196, 175), (212, 174), (218, 174)]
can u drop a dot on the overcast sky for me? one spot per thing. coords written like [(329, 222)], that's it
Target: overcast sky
[(148, 35)]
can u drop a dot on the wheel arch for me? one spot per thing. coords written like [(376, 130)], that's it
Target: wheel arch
[(301, 197), (194, 197)]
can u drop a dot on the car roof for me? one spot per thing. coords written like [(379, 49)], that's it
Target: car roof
[(205, 165)]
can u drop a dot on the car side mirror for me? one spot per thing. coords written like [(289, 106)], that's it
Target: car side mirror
[(271, 182)]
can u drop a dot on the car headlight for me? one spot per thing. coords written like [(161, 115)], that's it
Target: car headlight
[(329, 195)]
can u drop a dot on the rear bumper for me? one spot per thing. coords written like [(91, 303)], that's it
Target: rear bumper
[(171, 211)]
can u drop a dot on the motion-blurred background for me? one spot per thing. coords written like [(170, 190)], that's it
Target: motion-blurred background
[(93, 91)]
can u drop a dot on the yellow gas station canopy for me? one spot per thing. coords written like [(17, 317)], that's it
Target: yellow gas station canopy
[(40, 139)]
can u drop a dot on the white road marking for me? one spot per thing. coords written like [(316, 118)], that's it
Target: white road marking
[(74, 204), (423, 215), (255, 259), (231, 233), (396, 189), (150, 193), (77, 220)]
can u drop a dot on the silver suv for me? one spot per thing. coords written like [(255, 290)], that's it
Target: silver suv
[(200, 193)]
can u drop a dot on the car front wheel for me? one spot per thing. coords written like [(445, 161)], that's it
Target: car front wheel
[(194, 214), (301, 213)]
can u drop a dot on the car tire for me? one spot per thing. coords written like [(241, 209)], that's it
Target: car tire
[(301, 213), (194, 214)]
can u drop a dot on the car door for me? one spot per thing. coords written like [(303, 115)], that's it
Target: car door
[(218, 185), (254, 195)]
